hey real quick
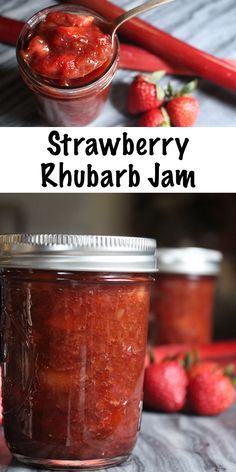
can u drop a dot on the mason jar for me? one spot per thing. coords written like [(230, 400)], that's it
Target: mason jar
[(75, 313), (183, 300), (62, 101)]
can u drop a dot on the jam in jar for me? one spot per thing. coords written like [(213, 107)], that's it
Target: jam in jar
[(66, 56), (183, 299), (75, 312)]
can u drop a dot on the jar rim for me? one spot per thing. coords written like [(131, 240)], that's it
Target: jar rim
[(41, 82), (189, 260), (95, 253)]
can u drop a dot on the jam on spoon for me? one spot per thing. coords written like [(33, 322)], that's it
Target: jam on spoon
[(67, 47)]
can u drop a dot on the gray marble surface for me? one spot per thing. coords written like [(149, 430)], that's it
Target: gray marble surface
[(172, 443), (206, 24)]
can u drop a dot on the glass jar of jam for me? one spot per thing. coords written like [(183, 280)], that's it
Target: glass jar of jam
[(75, 312), (183, 300), (66, 57)]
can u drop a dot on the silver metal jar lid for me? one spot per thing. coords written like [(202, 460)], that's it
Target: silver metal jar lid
[(189, 260), (78, 252)]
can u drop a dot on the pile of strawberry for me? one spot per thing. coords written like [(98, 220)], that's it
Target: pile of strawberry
[(158, 107), (203, 388)]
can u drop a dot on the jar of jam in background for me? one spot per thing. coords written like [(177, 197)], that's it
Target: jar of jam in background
[(75, 314), (68, 66), (183, 300)]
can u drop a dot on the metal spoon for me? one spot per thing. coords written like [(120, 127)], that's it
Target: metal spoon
[(134, 12)]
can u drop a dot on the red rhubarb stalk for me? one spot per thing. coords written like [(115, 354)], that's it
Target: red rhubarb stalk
[(132, 57), (10, 30), (135, 58), (170, 48), (222, 351)]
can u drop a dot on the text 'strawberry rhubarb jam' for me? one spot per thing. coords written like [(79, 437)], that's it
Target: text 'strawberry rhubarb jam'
[(75, 313), (183, 301), (67, 58)]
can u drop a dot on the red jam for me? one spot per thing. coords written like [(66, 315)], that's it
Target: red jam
[(67, 59), (74, 347), (69, 47), (183, 309)]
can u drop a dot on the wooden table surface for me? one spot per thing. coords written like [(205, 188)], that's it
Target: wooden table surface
[(172, 443), (206, 24)]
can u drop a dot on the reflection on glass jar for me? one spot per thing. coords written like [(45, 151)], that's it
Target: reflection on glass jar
[(74, 348), (184, 297), (67, 59)]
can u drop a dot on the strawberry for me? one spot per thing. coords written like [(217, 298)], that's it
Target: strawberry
[(37, 47), (165, 386), (183, 109), (210, 393), (204, 367), (156, 117), (55, 66), (145, 93), (59, 18)]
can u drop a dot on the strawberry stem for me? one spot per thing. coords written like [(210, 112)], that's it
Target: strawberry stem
[(188, 88)]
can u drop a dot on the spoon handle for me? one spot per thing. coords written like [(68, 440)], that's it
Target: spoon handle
[(136, 11)]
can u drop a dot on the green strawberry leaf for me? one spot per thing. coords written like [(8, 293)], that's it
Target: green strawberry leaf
[(165, 125), (188, 360), (188, 88), (157, 76), (166, 117), (233, 380), (160, 92), (229, 370), (170, 91)]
